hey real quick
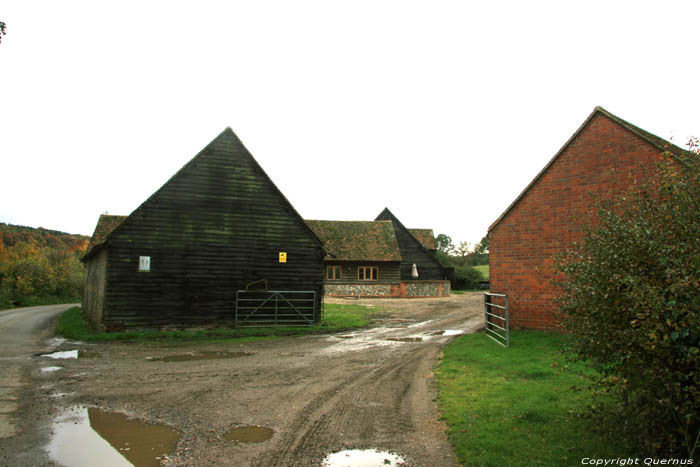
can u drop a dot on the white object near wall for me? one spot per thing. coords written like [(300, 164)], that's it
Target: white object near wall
[(144, 263), (414, 271)]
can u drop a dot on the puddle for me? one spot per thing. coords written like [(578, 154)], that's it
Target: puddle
[(188, 357), (87, 436), (249, 434), (451, 332), (405, 339), (67, 354), (48, 369), (362, 458), (61, 355)]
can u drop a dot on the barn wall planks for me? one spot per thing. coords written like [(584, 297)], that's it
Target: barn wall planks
[(215, 226), (413, 252)]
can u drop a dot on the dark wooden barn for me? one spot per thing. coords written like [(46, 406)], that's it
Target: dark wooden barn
[(218, 227), (413, 252)]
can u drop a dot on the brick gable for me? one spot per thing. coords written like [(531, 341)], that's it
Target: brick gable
[(603, 159)]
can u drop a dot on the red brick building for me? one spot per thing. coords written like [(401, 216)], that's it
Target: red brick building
[(604, 158)]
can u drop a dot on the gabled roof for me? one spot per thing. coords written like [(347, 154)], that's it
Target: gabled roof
[(226, 138), (387, 215), (426, 237), (654, 140), (105, 225), (357, 240)]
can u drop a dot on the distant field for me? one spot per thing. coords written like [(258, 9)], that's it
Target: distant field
[(484, 270)]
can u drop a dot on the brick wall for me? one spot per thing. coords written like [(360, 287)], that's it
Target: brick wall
[(604, 159)]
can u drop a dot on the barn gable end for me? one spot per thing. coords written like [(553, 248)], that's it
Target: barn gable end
[(604, 158), (216, 226), (413, 252)]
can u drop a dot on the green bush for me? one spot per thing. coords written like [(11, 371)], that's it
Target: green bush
[(631, 302), (467, 278)]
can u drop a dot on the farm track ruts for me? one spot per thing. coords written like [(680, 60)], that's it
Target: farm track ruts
[(320, 394)]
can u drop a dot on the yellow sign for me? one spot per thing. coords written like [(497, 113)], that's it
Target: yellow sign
[(283, 257)]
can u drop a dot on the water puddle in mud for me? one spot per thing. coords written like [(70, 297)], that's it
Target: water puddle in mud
[(362, 458), (67, 354), (249, 434), (405, 339), (87, 436), (49, 369), (193, 356), (61, 355)]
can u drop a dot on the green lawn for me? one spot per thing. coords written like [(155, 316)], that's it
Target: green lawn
[(336, 318), (516, 406)]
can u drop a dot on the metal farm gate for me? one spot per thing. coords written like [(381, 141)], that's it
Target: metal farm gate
[(275, 307), (497, 320)]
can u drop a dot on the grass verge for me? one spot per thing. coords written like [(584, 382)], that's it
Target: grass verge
[(336, 318), (516, 406)]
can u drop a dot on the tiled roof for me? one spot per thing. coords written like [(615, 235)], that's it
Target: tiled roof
[(105, 225), (426, 237), (357, 240)]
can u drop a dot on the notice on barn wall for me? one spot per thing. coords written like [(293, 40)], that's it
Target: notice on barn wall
[(283, 257), (144, 263)]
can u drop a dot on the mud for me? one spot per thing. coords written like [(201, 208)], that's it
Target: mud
[(320, 394), (194, 356), (249, 434)]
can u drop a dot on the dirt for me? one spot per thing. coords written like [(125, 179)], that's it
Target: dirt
[(320, 394)]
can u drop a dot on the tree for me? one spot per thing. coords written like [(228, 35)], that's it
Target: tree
[(482, 248), (631, 303), (444, 244)]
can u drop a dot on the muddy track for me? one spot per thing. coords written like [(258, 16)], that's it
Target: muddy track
[(371, 389)]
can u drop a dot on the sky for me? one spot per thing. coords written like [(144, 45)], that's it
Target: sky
[(442, 111)]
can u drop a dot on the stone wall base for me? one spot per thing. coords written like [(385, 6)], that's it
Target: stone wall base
[(406, 289)]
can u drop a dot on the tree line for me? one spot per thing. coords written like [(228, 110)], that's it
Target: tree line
[(39, 266), (463, 258)]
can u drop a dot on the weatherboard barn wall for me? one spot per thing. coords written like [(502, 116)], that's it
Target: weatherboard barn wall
[(216, 226), (602, 160)]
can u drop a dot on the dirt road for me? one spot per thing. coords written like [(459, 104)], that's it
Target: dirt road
[(320, 394), (22, 332)]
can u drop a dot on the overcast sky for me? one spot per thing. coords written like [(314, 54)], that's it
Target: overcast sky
[(442, 111)]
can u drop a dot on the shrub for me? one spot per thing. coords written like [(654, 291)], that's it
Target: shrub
[(467, 277), (631, 302)]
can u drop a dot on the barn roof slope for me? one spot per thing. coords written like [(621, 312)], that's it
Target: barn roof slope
[(105, 225), (226, 138), (357, 240), (426, 237), (652, 139)]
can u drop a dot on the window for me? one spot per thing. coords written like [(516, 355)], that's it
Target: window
[(334, 273), (367, 273)]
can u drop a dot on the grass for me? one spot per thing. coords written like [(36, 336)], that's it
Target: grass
[(336, 318), (516, 406), (484, 270)]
